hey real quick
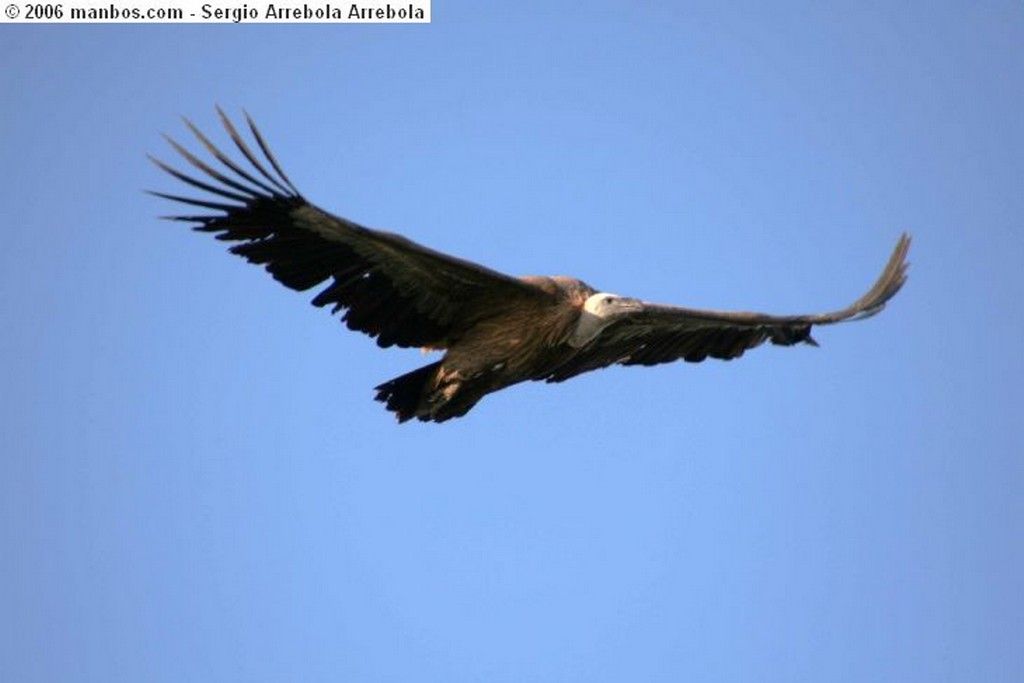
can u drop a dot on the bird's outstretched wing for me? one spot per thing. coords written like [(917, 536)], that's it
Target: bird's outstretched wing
[(389, 287), (662, 334)]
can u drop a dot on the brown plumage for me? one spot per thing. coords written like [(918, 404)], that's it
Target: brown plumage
[(497, 330)]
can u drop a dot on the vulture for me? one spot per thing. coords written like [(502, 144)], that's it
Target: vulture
[(496, 330)]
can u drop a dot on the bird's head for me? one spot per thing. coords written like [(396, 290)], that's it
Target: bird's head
[(609, 307), (599, 311)]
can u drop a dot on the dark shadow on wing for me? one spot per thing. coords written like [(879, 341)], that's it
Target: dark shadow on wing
[(663, 334), (389, 287)]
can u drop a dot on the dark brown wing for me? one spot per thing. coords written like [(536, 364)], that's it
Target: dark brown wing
[(390, 287), (662, 334)]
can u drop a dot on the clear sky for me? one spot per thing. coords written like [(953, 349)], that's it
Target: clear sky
[(196, 485)]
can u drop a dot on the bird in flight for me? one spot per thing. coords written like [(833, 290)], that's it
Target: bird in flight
[(496, 330)]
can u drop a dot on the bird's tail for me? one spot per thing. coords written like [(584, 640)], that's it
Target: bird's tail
[(433, 394), (404, 395)]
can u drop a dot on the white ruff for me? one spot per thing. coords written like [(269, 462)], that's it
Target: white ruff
[(598, 312)]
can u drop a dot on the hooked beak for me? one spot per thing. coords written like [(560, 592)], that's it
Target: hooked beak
[(628, 306)]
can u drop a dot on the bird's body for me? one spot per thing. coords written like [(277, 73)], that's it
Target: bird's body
[(500, 350), (496, 330)]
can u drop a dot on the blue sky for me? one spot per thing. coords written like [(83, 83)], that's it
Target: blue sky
[(197, 485)]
